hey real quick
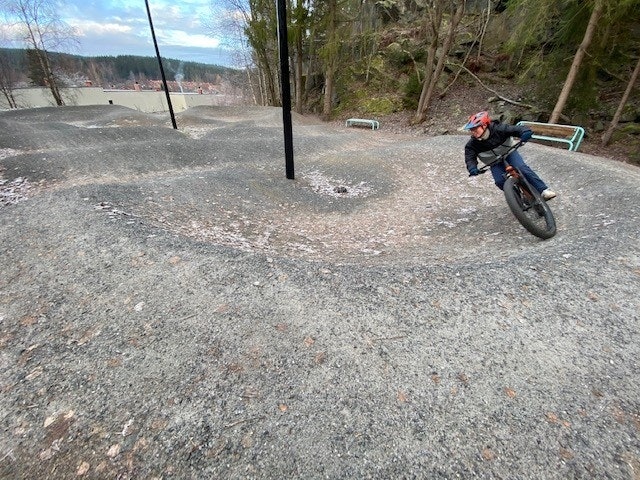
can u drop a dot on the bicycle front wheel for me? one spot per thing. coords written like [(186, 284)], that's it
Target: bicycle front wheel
[(530, 209)]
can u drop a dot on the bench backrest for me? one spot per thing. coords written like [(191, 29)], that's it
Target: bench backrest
[(561, 131), (549, 131)]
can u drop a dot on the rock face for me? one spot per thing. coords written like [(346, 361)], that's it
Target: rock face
[(172, 305)]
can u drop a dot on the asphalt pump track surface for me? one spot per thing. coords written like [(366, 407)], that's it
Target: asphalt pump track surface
[(171, 306)]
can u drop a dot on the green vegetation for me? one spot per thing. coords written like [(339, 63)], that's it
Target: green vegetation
[(572, 59)]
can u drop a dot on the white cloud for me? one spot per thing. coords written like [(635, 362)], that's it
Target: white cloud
[(89, 27), (185, 39)]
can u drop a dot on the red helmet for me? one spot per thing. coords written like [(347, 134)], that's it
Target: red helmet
[(477, 120)]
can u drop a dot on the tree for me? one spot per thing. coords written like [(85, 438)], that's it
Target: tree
[(597, 35), (41, 29), (299, 26), (577, 61), (606, 138), (230, 21), (329, 53), (8, 78), (435, 64)]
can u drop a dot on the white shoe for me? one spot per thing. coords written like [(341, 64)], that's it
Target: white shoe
[(548, 194)]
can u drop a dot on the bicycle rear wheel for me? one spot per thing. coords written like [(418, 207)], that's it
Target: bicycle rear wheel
[(529, 208)]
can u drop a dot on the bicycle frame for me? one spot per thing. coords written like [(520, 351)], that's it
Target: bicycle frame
[(503, 158)]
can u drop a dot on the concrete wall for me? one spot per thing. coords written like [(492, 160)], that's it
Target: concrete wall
[(144, 101)]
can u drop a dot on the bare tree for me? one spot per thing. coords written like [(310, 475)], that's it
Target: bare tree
[(596, 13), (40, 28), (8, 78), (230, 20), (299, 25), (330, 56), (435, 64), (606, 138)]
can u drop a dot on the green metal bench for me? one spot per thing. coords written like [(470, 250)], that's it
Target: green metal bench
[(362, 121), (554, 132)]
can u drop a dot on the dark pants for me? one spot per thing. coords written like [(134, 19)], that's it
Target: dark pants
[(498, 171)]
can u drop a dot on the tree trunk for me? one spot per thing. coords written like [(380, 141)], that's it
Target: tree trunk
[(298, 73), (430, 85), (328, 94), (577, 61), (331, 54), (9, 96), (606, 138), (51, 80), (433, 29)]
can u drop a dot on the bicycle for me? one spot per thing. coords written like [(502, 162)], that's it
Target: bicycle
[(525, 202)]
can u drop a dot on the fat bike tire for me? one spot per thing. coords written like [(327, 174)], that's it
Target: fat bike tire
[(530, 209)]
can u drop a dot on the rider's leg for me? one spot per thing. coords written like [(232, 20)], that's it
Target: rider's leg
[(517, 161), (498, 173)]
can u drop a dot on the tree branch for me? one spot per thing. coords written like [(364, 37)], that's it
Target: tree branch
[(513, 102)]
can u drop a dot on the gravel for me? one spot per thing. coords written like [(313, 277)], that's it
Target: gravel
[(171, 306)]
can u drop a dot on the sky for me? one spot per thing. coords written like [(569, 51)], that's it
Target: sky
[(121, 27)]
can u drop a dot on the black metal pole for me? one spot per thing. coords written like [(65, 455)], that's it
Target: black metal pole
[(164, 79), (286, 89)]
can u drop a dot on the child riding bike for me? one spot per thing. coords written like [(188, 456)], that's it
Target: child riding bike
[(489, 139)]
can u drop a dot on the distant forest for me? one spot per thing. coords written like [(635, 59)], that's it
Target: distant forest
[(107, 70)]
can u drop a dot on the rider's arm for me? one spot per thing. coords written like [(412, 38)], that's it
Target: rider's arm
[(515, 130), (470, 157)]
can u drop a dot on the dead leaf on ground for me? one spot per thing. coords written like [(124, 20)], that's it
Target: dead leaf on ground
[(29, 320), (26, 355), (159, 424), (234, 368), (435, 378), (251, 392), (114, 362), (320, 358), (488, 454), (282, 327), (82, 469), (552, 417), (141, 444), (566, 453), (114, 450), (35, 373), (618, 414), (511, 393), (308, 341), (402, 397), (58, 425), (282, 407)]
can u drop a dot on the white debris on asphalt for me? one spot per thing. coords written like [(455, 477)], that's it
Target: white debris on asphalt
[(336, 188), (14, 191)]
